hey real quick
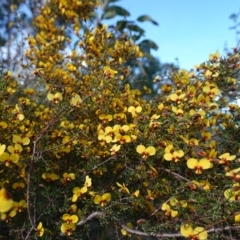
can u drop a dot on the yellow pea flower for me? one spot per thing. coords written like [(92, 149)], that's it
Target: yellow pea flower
[(214, 57), (105, 118), (115, 148), (102, 200), (237, 218), (19, 206), (150, 194), (226, 157), (109, 72), (169, 211), (123, 188), (3, 125), (17, 148), (7, 217), (175, 202), (134, 110), (8, 159), (145, 152), (123, 138), (20, 140), (68, 228), (198, 233), (69, 219), (231, 194), (78, 192), (2, 148), (88, 182), (18, 113), (6, 201), (211, 89), (68, 177), (50, 177), (124, 232), (234, 174), (198, 165), (55, 98), (204, 184), (136, 193), (171, 155), (18, 185), (40, 229)]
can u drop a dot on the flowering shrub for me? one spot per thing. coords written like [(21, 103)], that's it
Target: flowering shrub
[(84, 145)]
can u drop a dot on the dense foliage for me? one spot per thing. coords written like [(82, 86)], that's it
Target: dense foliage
[(84, 156)]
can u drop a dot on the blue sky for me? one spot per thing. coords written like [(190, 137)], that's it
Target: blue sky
[(188, 29)]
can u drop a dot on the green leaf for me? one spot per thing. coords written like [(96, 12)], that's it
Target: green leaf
[(148, 44), (112, 11), (144, 18), (135, 28), (121, 24), (104, 3), (109, 14)]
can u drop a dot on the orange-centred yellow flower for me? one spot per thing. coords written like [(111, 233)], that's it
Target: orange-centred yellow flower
[(102, 200), (40, 229), (199, 233), (6, 201), (68, 228), (198, 165), (70, 218), (226, 157), (145, 152)]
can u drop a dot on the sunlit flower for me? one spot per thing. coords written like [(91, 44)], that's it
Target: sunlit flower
[(19, 206), (3, 125), (136, 193), (226, 157), (237, 218), (115, 148), (171, 155), (18, 185), (55, 98), (17, 149), (68, 228), (109, 72), (102, 200), (198, 233), (40, 229), (20, 140), (88, 182), (6, 201), (168, 211), (122, 139), (150, 195), (50, 177), (18, 113), (2, 148), (8, 159), (198, 165), (123, 188), (145, 152), (78, 192), (135, 110), (124, 232), (106, 118), (68, 177), (204, 184), (214, 57), (234, 174), (69, 219)]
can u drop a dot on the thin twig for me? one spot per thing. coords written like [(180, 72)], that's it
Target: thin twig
[(90, 217)]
